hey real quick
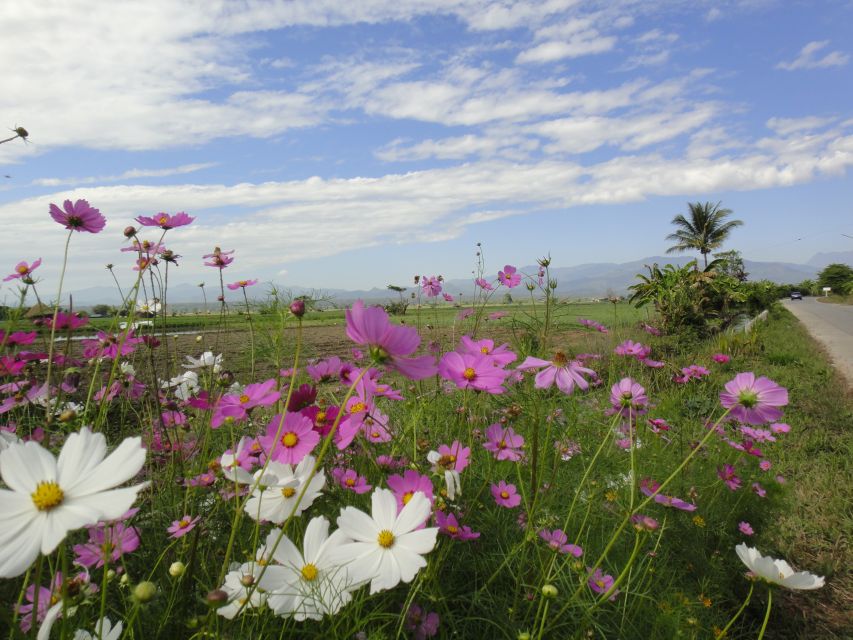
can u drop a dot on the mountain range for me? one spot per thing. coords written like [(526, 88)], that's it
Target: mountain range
[(592, 280)]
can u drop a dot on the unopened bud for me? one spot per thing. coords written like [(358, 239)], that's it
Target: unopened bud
[(129, 232), (199, 338), (523, 635), (549, 591), (145, 591), (297, 308), (176, 569), (216, 598)]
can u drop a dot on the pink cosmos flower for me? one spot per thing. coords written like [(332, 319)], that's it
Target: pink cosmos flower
[(449, 525), (760, 491), (405, 486), (560, 371), (649, 487), (632, 349), (47, 598), (165, 221), (421, 624), (388, 344), (219, 258), (324, 370), (289, 438), (720, 358), (109, 346), (431, 286), (484, 284), (758, 435), (501, 355), (727, 474), (592, 324), (506, 495), (238, 407), (350, 480), (447, 297), (497, 315), (745, 528), (470, 371), (455, 457), (182, 527), (644, 523), (651, 330), (558, 541), (375, 427), (107, 542), (465, 313), (780, 427), (693, 372), (67, 321), (765, 465), (753, 401), (628, 398), (659, 424), (508, 277), (241, 284), (23, 271), (17, 337), (503, 442), (601, 583), (78, 216)]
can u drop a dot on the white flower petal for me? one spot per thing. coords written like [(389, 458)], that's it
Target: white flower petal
[(20, 551), (413, 515), (80, 455), (316, 534), (118, 467), (420, 541), (388, 573), (384, 508), (409, 563), (358, 525), (24, 466)]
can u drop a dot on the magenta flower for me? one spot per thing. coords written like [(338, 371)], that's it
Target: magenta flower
[(508, 277), (449, 525), (470, 371), (47, 598), (447, 297), (651, 330), (289, 438), (165, 221), (23, 271), (238, 407), (78, 216), (632, 349), (107, 543), (754, 401), (388, 343), (780, 427), (693, 372), (110, 346), (592, 324), (431, 286), (405, 486), (659, 424), (67, 321), (649, 487), (350, 480), (421, 624), (558, 540), (182, 527), (560, 371), (745, 528), (727, 474), (602, 583), (497, 315), (484, 284), (506, 495), (628, 398), (219, 258), (501, 355), (465, 313), (720, 358), (324, 370), (644, 523), (503, 442), (241, 284), (455, 457)]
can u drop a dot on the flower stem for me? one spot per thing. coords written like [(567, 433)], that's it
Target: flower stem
[(722, 633), (766, 614), (48, 404)]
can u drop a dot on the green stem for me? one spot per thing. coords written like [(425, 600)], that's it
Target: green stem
[(48, 404), (722, 633), (766, 614)]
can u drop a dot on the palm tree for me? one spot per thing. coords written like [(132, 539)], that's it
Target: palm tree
[(704, 230)]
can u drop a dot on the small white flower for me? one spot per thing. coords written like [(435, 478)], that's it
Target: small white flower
[(48, 497), (207, 359), (777, 571), (238, 582), (108, 632), (307, 585), (127, 369), (186, 385), (451, 476), (276, 490), (388, 548)]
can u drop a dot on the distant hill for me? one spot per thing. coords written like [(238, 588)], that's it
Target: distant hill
[(596, 279)]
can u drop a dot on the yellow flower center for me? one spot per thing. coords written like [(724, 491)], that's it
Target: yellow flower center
[(163, 219), (321, 418), (289, 439), (22, 269), (601, 584), (452, 528), (374, 434), (385, 539), (484, 349), (288, 492), (502, 444), (407, 496), (469, 374), (244, 399), (309, 572), (243, 283), (504, 494), (358, 407), (560, 359), (47, 496), (350, 482)]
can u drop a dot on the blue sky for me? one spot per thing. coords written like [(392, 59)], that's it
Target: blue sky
[(352, 144)]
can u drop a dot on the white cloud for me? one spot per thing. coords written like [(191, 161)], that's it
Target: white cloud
[(786, 126), (809, 60), (582, 44), (131, 174)]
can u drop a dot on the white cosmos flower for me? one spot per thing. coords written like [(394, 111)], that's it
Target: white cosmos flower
[(186, 385), (776, 571), (238, 582), (307, 585), (47, 497), (149, 306), (451, 476), (108, 632), (207, 359), (7, 438), (387, 548), (276, 490), (230, 464)]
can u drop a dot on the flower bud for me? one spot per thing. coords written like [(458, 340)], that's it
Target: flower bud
[(216, 598), (129, 232), (297, 308), (176, 569), (199, 338), (549, 591), (523, 635), (145, 591)]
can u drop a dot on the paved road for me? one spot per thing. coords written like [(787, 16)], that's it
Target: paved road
[(832, 326)]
